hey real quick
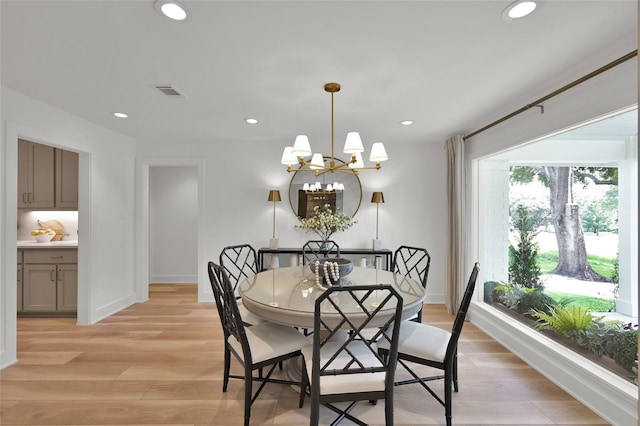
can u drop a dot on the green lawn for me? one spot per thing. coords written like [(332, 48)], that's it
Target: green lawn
[(548, 260), (594, 304)]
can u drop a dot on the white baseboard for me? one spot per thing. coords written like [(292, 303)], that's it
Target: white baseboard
[(608, 395), (112, 308), (174, 279)]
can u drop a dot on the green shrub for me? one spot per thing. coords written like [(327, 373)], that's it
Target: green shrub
[(564, 319), (535, 300), (625, 348), (523, 268), (598, 337), (510, 294), (489, 290)]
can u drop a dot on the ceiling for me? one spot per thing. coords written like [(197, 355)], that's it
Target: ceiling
[(451, 66)]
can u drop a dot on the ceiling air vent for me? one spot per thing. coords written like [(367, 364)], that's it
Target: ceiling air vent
[(169, 90)]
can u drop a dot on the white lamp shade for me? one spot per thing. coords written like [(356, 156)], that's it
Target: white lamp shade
[(287, 156), (301, 147), (329, 187), (378, 153), (317, 162), (305, 187), (353, 143), (359, 163)]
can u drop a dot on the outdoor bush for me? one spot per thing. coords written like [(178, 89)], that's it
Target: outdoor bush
[(625, 348), (535, 300), (523, 268), (489, 290), (565, 319), (510, 294), (598, 337)]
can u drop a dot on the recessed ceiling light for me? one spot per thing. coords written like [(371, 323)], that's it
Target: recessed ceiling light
[(120, 115), (519, 9), (406, 122), (172, 9), (251, 120)]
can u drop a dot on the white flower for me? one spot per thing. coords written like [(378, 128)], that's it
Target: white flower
[(325, 222)]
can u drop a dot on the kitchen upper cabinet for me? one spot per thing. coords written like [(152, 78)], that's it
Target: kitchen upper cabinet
[(47, 177), (36, 168), (66, 179)]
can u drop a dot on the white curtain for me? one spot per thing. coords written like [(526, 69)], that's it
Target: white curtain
[(456, 229)]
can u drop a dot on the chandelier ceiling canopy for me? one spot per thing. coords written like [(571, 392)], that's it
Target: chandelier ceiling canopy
[(301, 150)]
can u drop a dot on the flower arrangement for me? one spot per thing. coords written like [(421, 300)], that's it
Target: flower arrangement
[(325, 222)]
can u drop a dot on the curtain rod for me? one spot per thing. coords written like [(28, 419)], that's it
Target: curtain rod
[(537, 102)]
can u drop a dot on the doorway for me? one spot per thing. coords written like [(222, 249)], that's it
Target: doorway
[(173, 228), (143, 220)]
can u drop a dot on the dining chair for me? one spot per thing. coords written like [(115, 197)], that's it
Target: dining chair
[(413, 262), (256, 347), (434, 347), (342, 365), (316, 249), (240, 262)]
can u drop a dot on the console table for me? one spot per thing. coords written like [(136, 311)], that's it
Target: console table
[(385, 254)]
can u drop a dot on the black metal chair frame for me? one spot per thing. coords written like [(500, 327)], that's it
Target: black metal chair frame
[(239, 262), (413, 262), (328, 324), (450, 363), (233, 325), (315, 249)]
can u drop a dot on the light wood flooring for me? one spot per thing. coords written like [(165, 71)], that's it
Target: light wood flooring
[(160, 363)]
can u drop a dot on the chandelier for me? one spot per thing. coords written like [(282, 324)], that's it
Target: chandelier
[(301, 149)]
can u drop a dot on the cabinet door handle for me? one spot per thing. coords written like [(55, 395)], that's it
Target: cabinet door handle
[(56, 257), (59, 275), (52, 275)]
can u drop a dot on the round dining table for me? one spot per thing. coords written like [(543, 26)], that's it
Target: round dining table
[(287, 295)]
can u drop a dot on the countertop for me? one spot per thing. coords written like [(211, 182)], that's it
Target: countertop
[(33, 244)]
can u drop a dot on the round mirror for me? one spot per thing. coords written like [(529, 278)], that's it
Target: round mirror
[(348, 200)]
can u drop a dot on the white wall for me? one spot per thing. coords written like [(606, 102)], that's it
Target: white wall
[(173, 224), (235, 209), (106, 209)]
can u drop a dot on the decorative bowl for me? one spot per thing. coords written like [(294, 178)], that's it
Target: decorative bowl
[(345, 266), (44, 238)]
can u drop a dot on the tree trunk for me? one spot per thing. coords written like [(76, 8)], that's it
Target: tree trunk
[(572, 252)]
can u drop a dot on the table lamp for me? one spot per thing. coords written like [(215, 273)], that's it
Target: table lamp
[(274, 195), (377, 198)]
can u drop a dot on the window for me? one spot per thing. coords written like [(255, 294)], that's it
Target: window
[(607, 143)]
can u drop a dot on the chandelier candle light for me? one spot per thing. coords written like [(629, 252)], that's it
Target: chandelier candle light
[(317, 187), (377, 198), (353, 145), (274, 196)]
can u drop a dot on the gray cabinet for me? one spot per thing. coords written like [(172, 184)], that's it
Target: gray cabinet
[(19, 280), (47, 177), (50, 281), (66, 179), (36, 185)]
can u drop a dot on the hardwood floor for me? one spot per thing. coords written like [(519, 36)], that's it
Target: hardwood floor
[(160, 363)]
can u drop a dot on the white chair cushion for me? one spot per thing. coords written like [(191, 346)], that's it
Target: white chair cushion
[(422, 341), (269, 340), (346, 383)]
